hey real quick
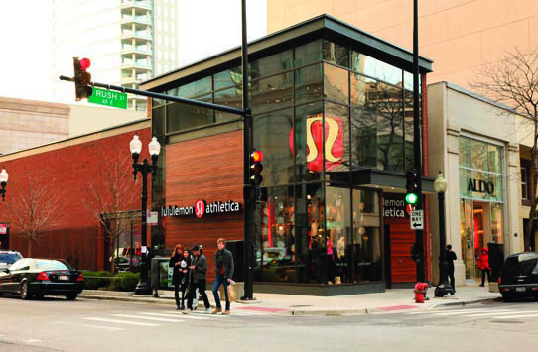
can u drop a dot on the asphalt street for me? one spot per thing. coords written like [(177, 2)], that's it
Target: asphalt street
[(55, 324)]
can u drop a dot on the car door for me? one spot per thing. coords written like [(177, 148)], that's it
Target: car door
[(16, 271), (5, 277)]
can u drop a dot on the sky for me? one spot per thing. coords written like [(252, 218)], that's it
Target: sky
[(205, 28)]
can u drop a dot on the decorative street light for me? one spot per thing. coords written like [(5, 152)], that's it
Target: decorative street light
[(3, 182), (444, 287), (143, 287)]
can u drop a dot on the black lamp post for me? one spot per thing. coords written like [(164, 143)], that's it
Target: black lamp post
[(444, 287), (3, 182), (143, 287)]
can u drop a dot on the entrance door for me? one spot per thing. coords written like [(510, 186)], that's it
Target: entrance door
[(387, 255), (475, 234)]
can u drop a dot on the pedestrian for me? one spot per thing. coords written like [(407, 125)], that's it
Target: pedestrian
[(198, 280), (180, 263), (482, 264), (224, 268), (450, 257)]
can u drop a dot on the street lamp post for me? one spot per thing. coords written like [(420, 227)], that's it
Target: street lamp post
[(143, 287), (444, 287), (3, 182)]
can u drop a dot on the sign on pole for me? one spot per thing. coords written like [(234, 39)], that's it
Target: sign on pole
[(152, 218), (416, 219), (109, 98), (3, 229)]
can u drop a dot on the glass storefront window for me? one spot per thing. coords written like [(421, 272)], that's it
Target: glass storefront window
[(193, 89), (309, 83), (478, 155), (464, 152), (366, 236), (310, 245), (339, 235), (228, 97), (335, 84), (272, 93), (274, 239), (272, 135), (375, 68), (305, 54), (377, 125), (335, 53), (308, 142), (337, 142), (467, 239), (494, 158), (227, 78), (496, 225), (182, 116), (270, 65)]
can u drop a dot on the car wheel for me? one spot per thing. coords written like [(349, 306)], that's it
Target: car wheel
[(25, 294), (71, 296), (507, 297)]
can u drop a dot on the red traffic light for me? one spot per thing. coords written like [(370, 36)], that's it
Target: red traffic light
[(84, 63), (257, 156)]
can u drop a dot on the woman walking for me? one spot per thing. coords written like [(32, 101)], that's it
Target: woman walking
[(482, 264), (180, 261)]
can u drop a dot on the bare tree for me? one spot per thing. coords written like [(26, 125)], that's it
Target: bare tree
[(35, 207), (110, 195), (513, 81)]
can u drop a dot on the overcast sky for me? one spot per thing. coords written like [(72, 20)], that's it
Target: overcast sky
[(206, 27)]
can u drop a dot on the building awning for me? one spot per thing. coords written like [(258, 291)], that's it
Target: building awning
[(389, 181)]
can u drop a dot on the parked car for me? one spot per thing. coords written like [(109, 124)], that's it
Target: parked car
[(8, 257), (518, 276), (31, 277)]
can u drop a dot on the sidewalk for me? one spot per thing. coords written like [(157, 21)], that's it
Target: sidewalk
[(391, 300)]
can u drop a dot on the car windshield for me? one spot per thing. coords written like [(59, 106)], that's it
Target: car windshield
[(9, 258), (51, 265)]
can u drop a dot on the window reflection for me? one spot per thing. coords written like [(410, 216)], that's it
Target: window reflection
[(228, 97), (335, 53), (377, 125), (309, 84), (227, 78), (305, 54), (182, 116), (271, 64), (366, 236), (337, 142), (335, 84), (272, 133), (272, 93), (308, 142), (193, 89), (339, 236), (376, 68)]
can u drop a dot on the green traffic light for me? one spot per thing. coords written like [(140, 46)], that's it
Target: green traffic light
[(411, 198)]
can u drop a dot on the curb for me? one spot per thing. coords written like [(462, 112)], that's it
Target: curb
[(463, 303)]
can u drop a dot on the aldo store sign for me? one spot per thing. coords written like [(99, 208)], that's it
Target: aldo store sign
[(480, 186), (202, 208)]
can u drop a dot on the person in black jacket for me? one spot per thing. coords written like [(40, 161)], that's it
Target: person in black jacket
[(224, 269), (198, 280), (451, 256), (180, 261)]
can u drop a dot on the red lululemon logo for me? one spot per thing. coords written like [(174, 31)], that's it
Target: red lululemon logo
[(333, 140), (200, 207)]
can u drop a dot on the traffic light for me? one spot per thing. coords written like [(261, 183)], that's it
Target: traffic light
[(256, 168), (82, 78), (411, 188)]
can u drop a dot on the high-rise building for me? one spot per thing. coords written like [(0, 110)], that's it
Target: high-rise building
[(459, 36), (128, 41)]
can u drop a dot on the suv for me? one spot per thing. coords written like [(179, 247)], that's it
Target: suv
[(8, 257), (519, 276)]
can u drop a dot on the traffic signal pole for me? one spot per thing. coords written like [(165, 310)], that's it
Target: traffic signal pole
[(418, 162)]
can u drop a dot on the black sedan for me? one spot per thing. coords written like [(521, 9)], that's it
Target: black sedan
[(38, 277), (518, 276)]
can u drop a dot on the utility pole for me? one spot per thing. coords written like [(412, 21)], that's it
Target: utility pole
[(418, 162)]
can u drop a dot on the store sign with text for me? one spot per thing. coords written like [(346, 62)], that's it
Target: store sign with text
[(394, 206), (320, 135), (202, 208), (481, 186)]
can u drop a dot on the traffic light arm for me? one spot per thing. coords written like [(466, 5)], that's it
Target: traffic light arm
[(166, 97)]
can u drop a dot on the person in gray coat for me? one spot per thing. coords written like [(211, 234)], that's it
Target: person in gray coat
[(198, 268)]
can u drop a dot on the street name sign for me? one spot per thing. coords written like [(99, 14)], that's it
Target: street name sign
[(109, 98), (416, 219)]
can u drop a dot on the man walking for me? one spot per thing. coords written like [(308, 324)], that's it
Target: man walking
[(224, 268), (450, 256), (198, 280)]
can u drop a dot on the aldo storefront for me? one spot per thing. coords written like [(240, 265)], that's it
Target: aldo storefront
[(332, 111)]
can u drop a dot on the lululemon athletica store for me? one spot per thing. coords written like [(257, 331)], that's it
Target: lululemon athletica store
[(333, 115)]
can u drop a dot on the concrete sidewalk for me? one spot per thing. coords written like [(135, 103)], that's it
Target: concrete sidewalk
[(402, 299)]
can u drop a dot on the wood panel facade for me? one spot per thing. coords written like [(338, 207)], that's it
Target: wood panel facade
[(209, 168)]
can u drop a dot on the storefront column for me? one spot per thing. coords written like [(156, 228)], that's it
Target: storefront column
[(515, 243)]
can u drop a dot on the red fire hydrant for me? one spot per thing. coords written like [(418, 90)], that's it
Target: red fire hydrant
[(420, 291)]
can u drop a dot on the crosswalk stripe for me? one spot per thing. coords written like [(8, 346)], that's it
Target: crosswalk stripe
[(101, 327), (499, 312), (182, 316), (170, 320), (483, 311), (108, 320), (494, 313), (517, 316), (444, 311)]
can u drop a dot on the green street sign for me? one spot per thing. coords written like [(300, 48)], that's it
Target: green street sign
[(109, 98)]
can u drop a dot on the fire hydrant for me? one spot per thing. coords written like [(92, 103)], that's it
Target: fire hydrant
[(420, 291)]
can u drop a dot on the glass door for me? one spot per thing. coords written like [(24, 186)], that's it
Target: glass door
[(467, 237)]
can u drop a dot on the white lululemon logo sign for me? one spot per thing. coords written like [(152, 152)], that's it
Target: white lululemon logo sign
[(201, 208)]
